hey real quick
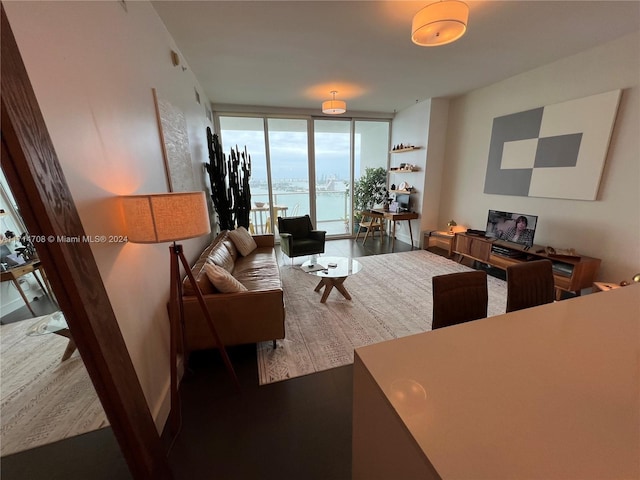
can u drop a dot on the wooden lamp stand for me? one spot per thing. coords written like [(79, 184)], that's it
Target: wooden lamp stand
[(176, 318), (169, 217)]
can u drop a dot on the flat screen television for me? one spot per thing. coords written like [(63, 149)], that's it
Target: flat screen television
[(511, 227)]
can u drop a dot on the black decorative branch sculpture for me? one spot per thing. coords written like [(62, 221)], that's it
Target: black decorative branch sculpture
[(239, 174), (229, 181)]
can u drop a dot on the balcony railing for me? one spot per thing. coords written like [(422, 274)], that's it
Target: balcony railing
[(332, 209)]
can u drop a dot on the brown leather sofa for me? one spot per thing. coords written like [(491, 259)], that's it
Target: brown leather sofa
[(256, 315)]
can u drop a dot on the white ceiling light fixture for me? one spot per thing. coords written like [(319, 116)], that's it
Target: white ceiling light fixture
[(440, 23), (333, 106)]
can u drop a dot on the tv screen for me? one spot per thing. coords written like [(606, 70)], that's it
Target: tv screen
[(511, 227)]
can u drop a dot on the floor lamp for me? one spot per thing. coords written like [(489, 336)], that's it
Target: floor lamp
[(170, 217)]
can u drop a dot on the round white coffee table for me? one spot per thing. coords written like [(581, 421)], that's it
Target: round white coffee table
[(333, 271)]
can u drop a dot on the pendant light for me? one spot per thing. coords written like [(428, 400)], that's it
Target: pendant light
[(333, 106), (440, 23)]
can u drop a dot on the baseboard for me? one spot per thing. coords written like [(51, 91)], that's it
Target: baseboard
[(160, 412)]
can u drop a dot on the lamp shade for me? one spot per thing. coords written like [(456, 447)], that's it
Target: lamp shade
[(334, 107), (165, 217), (440, 23)]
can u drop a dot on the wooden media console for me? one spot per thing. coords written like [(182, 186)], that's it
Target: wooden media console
[(571, 273)]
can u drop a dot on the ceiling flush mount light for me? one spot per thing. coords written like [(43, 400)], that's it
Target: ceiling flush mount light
[(440, 23), (333, 106)]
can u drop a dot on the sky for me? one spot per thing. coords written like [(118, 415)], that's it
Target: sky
[(289, 154)]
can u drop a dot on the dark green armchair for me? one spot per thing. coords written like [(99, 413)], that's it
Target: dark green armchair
[(297, 236)]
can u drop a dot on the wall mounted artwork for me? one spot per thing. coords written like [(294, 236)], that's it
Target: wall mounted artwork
[(557, 151), (175, 145)]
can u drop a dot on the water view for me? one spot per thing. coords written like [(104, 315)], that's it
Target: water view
[(332, 202)]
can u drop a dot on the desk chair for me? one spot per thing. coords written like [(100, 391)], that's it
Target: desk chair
[(530, 284), (459, 297), (373, 222)]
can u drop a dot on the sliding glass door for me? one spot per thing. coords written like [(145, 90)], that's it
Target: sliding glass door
[(289, 159), (249, 132), (332, 148)]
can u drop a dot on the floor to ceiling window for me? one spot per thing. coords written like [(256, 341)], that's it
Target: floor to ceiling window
[(332, 148), (289, 159), (291, 175), (249, 132)]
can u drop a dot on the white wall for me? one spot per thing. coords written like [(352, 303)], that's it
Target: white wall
[(608, 228), (423, 125), (411, 126), (93, 66), (438, 116)]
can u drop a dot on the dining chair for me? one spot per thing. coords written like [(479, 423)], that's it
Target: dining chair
[(530, 284), (459, 297)]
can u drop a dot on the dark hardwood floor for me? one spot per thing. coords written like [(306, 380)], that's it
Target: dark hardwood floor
[(94, 455), (295, 429), (41, 305), (298, 428)]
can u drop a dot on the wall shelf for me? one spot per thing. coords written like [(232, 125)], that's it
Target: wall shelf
[(413, 190), (403, 170), (405, 149)]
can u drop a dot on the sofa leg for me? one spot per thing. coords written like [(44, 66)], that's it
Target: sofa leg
[(274, 344)]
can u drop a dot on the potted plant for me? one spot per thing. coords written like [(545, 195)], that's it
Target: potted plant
[(369, 190)]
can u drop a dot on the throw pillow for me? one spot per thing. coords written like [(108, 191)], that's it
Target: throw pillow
[(243, 241), (222, 279)]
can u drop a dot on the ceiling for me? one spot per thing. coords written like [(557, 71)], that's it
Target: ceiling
[(293, 53)]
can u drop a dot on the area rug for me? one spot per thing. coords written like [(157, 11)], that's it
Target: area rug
[(391, 298), (42, 399)]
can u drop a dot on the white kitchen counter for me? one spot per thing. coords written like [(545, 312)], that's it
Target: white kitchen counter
[(551, 392)]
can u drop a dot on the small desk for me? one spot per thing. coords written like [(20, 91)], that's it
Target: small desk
[(14, 273), (394, 218)]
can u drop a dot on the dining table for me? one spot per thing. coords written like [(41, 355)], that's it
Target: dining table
[(263, 225)]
